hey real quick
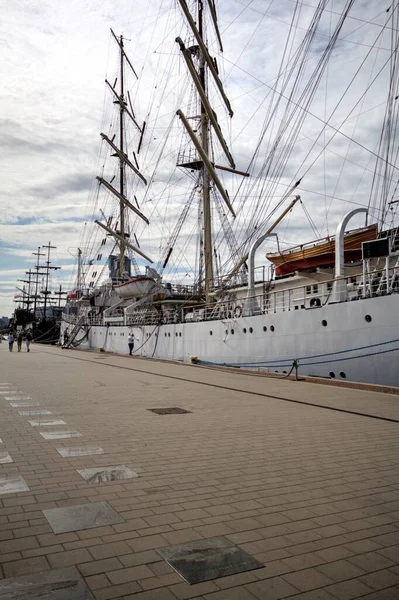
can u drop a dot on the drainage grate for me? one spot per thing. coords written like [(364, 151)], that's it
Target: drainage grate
[(169, 411)]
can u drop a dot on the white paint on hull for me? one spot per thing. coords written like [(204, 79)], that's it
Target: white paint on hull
[(363, 351)]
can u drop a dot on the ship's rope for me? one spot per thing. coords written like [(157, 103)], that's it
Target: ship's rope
[(285, 363), (45, 333)]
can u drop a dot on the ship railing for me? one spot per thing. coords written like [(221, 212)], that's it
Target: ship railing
[(262, 274), (187, 291), (112, 311), (142, 317), (94, 319), (314, 294), (343, 289)]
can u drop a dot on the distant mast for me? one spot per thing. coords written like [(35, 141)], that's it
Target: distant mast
[(121, 235), (43, 271), (47, 268)]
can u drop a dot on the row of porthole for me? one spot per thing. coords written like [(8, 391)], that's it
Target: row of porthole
[(226, 331), (324, 323), (342, 374), (232, 331), (332, 374), (177, 334), (367, 318)]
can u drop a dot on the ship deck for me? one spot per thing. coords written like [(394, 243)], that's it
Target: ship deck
[(302, 477)]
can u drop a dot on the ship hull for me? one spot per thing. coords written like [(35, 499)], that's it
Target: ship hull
[(337, 340)]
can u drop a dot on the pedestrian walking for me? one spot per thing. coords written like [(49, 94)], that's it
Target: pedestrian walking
[(10, 341), (19, 341), (130, 341), (66, 337), (28, 339)]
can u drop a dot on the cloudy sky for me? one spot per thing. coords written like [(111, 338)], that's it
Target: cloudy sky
[(55, 57)]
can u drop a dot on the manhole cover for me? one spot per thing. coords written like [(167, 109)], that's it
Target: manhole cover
[(169, 411)]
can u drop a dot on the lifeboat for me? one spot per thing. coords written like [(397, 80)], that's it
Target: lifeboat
[(321, 253), (136, 287)]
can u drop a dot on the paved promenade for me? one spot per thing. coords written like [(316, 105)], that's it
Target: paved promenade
[(311, 492)]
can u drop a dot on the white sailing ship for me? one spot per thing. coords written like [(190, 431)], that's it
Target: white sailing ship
[(176, 260)]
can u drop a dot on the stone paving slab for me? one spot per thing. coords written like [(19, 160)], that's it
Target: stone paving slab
[(63, 584), (309, 492)]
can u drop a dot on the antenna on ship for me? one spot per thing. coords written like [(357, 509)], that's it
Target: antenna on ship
[(208, 120)]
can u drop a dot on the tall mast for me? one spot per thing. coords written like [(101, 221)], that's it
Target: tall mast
[(206, 200), (122, 246), (27, 300), (205, 67), (46, 292), (79, 279), (120, 152), (37, 267)]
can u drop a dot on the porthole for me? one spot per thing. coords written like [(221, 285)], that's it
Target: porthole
[(324, 323), (368, 318), (285, 372), (332, 375), (272, 329), (264, 328), (168, 334), (176, 334), (245, 330), (226, 331), (343, 375), (179, 333), (211, 333), (232, 331), (251, 330)]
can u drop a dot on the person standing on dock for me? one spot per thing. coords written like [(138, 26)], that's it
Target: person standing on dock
[(19, 341), (10, 341), (28, 340), (130, 341)]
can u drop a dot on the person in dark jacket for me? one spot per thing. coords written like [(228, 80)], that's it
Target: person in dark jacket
[(28, 339), (19, 341)]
